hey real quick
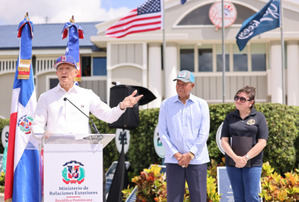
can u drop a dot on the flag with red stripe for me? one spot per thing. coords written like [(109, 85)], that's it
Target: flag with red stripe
[(22, 179), (147, 17)]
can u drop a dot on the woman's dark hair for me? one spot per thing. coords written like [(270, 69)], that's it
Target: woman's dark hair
[(250, 91)]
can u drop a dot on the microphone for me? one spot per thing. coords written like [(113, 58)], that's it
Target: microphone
[(115, 83), (93, 125)]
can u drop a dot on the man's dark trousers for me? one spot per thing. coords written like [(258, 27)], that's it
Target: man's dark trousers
[(196, 177)]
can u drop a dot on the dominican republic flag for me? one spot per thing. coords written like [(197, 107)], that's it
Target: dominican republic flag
[(266, 19), (23, 179), (74, 32), (147, 17)]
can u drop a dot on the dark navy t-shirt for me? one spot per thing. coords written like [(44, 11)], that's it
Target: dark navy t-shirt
[(244, 134)]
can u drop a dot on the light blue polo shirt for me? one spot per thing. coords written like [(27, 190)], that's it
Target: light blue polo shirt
[(184, 128)]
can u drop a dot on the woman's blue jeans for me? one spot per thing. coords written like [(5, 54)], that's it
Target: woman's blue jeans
[(245, 183)]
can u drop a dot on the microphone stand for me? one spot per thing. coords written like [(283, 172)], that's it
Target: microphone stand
[(94, 138)]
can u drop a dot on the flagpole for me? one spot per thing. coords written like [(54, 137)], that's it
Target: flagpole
[(163, 38), (223, 53), (282, 54)]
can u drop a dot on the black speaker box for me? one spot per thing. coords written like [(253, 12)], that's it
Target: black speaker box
[(129, 119)]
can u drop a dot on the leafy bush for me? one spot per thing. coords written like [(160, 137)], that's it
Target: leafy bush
[(110, 153), (151, 187), (217, 116), (294, 110), (280, 150), (141, 152), (2, 178), (278, 188), (283, 123)]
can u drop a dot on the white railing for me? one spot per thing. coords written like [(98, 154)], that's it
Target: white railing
[(44, 65), (8, 66)]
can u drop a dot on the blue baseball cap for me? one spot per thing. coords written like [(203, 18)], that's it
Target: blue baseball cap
[(68, 59), (185, 76)]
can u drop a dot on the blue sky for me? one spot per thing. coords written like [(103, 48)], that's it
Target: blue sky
[(60, 11), (107, 4), (54, 11)]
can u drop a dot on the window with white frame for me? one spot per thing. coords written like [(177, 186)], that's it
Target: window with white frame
[(85, 66), (93, 66), (187, 59), (99, 66), (240, 59), (205, 60), (258, 57), (251, 59)]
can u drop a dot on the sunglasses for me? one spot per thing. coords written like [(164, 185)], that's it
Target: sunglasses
[(242, 99)]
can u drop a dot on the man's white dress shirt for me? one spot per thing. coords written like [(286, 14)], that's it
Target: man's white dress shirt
[(54, 115)]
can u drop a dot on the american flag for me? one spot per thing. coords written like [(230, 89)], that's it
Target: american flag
[(147, 17)]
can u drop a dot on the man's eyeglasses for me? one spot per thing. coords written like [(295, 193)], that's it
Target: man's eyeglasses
[(242, 99)]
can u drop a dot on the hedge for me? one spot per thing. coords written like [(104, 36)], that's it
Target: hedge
[(280, 150), (283, 127), (283, 123), (141, 152)]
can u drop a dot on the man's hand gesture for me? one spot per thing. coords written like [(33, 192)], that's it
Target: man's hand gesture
[(130, 100)]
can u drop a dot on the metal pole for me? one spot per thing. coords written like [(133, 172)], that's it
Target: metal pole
[(223, 53), (282, 54), (164, 48)]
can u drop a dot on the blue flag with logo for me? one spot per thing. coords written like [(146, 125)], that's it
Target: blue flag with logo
[(183, 1), (265, 20)]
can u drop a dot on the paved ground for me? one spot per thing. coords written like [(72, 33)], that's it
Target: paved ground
[(1, 197)]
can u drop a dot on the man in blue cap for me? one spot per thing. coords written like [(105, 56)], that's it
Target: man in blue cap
[(54, 115), (184, 124)]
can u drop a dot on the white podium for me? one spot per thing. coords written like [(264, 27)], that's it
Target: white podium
[(73, 169)]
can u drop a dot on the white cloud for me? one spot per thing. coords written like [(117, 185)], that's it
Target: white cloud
[(57, 11), (13, 11)]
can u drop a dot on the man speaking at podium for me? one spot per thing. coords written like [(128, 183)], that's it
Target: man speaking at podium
[(61, 110)]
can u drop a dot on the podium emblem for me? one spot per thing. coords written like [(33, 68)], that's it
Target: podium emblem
[(73, 172)]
